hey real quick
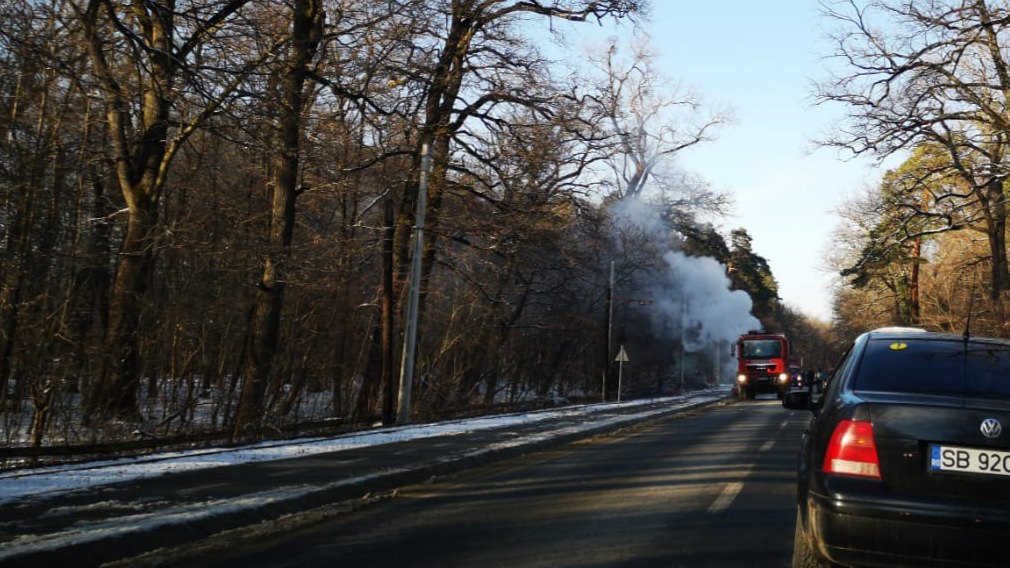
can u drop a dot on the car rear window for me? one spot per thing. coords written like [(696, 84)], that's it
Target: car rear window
[(935, 367)]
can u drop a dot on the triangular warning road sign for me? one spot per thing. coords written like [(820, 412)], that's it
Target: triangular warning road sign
[(622, 356)]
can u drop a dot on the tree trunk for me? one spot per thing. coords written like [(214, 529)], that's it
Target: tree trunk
[(996, 220), (139, 169), (914, 310), (12, 285), (433, 217), (388, 319), (371, 386), (307, 21), (116, 391)]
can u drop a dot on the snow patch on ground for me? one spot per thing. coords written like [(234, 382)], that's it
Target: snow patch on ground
[(48, 481)]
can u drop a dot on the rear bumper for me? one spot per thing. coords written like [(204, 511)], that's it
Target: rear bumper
[(907, 534)]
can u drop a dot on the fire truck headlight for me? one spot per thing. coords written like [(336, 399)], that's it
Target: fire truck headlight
[(742, 379), (784, 378)]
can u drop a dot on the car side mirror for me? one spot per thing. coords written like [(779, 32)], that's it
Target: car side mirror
[(797, 400)]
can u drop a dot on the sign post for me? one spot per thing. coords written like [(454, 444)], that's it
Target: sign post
[(622, 358)]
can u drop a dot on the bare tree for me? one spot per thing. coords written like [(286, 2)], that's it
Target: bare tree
[(933, 72), (306, 19), (650, 120), (468, 61), (157, 45), (200, 205), (45, 124)]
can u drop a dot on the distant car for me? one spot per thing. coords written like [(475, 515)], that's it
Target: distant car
[(797, 381), (907, 458)]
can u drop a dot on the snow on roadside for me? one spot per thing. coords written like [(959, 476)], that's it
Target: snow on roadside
[(46, 481), (192, 512)]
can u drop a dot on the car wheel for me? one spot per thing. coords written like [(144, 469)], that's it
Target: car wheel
[(742, 393), (803, 554)]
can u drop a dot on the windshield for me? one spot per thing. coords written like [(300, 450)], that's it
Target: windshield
[(935, 367), (760, 348)]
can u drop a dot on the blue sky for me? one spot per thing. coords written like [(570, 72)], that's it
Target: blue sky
[(760, 59)]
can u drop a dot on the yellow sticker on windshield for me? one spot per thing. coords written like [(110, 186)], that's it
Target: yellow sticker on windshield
[(899, 346)]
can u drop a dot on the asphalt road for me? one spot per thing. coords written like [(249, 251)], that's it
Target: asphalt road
[(714, 488), (155, 510)]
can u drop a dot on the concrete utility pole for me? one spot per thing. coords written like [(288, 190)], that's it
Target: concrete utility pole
[(410, 343), (610, 327), (718, 362), (683, 339)]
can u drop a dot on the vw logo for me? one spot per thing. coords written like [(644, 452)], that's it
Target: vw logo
[(991, 428)]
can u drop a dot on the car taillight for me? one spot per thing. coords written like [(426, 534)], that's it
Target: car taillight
[(852, 450)]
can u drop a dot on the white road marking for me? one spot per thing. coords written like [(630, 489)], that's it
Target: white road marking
[(725, 499), (731, 490)]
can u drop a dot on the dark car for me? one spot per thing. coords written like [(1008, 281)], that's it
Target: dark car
[(907, 459), (801, 380)]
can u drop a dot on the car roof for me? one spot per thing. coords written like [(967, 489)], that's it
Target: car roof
[(919, 333), (898, 330)]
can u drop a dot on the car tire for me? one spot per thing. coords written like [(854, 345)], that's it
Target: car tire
[(804, 555), (742, 393)]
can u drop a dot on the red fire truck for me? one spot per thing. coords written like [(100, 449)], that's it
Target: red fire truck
[(762, 360)]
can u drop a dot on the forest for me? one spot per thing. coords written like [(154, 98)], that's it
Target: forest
[(925, 87), (219, 219)]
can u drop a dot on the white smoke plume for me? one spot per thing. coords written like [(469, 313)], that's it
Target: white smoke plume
[(692, 297), (700, 300)]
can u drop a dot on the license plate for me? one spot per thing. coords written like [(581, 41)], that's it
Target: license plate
[(969, 460)]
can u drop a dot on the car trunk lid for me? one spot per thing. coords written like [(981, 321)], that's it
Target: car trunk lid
[(913, 432)]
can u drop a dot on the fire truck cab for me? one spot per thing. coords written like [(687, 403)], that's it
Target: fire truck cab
[(762, 364)]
